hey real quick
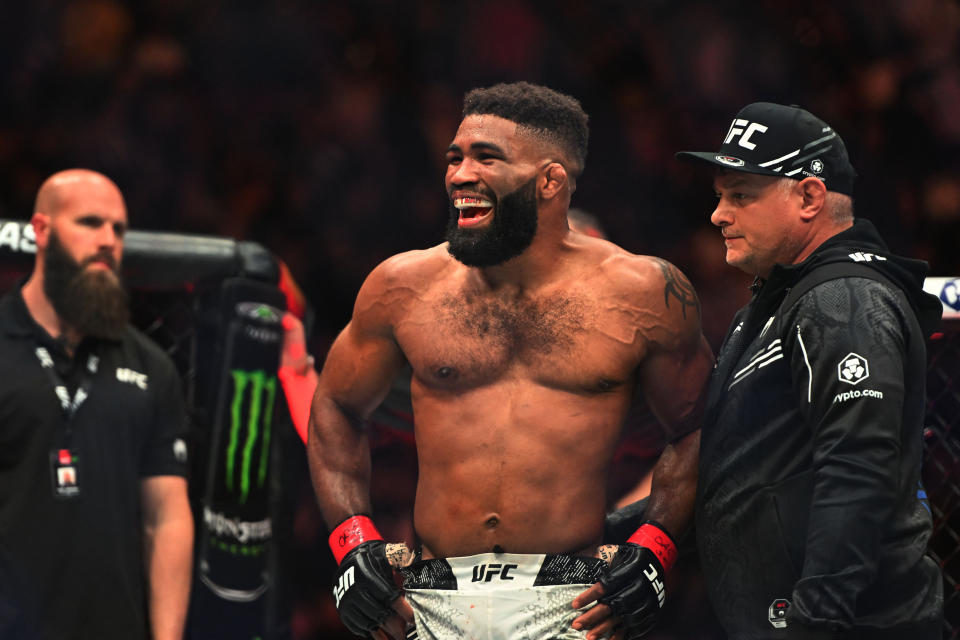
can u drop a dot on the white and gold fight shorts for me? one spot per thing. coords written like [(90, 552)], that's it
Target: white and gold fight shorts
[(498, 596)]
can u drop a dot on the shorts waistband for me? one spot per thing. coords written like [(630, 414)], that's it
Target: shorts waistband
[(498, 570)]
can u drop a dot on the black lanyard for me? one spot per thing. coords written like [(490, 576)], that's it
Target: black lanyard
[(68, 404)]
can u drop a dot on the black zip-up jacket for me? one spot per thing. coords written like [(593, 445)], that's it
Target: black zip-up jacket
[(811, 520)]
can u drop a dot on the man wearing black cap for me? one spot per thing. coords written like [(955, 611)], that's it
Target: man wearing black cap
[(811, 519)]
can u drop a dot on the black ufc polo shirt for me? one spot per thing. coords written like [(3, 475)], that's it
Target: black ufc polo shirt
[(71, 564)]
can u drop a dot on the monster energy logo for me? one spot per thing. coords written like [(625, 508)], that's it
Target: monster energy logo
[(259, 421)]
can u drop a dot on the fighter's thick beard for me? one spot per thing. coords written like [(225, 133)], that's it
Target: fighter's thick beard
[(510, 233), (92, 303)]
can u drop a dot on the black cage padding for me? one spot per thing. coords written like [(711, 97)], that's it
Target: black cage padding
[(153, 259)]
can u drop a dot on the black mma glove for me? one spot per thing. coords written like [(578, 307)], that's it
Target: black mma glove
[(363, 588), (634, 585)]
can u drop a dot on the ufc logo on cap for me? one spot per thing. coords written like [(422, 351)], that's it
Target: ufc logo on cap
[(736, 129)]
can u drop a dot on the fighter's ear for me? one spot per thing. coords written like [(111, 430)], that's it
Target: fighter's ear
[(41, 228), (552, 180), (814, 194)]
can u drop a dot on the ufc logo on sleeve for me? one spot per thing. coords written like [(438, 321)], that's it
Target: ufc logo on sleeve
[(744, 129)]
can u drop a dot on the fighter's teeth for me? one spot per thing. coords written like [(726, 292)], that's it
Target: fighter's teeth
[(466, 203)]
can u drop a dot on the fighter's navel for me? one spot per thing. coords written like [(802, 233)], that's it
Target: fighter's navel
[(492, 521)]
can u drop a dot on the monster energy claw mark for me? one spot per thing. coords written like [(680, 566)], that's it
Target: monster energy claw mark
[(260, 383)]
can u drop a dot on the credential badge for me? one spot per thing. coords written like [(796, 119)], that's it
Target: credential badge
[(777, 613)]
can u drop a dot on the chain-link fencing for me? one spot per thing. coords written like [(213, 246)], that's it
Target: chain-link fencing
[(941, 465)]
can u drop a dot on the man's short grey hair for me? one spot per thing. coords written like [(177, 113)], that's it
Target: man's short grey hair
[(838, 206)]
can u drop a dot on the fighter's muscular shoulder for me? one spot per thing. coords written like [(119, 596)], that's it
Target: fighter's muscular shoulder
[(653, 296), (365, 357), (677, 359), (399, 284)]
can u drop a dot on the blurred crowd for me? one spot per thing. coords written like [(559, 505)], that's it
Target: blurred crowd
[(318, 128)]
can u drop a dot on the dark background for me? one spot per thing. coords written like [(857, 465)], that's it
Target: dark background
[(318, 128)]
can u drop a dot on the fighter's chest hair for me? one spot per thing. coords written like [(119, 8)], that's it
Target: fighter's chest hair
[(519, 324), (496, 327)]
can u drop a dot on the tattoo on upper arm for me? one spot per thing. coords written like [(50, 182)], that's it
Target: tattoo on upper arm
[(679, 287)]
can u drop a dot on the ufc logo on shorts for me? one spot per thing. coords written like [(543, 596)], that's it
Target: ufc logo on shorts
[(654, 577), (737, 129), (487, 572), (345, 582)]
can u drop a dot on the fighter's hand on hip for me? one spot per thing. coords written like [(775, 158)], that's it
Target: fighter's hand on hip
[(395, 627), (599, 620), (634, 585), (364, 588)]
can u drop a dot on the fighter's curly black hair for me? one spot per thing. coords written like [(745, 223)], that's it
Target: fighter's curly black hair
[(549, 114)]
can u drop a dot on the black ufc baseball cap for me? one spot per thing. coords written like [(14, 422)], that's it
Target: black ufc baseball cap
[(776, 140)]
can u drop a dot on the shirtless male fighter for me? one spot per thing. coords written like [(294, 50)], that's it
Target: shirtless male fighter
[(526, 342)]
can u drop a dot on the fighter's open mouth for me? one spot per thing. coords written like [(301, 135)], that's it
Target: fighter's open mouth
[(472, 209)]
